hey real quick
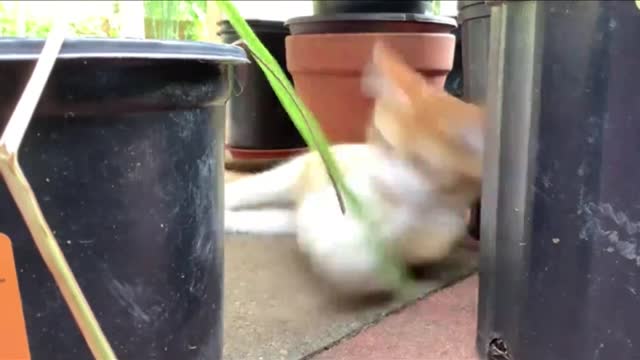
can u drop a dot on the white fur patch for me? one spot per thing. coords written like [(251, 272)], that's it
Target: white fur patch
[(439, 231), (474, 139), (402, 179)]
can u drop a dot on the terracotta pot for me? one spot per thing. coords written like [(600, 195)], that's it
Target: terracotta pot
[(371, 22), (327, 70)]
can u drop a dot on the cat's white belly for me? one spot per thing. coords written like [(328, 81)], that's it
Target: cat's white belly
[(341, 250)]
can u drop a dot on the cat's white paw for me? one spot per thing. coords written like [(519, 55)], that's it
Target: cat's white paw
[(338, 249), (350, 273)]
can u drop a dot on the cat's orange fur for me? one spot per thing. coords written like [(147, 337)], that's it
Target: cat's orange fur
[(420, 171), (427, 123)]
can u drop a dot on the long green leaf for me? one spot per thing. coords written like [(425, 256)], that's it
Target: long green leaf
[(302, 118)]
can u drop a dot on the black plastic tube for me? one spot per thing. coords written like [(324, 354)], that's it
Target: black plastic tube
[(560, 263)]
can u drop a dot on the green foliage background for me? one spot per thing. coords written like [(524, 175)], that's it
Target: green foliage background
[(164, 20)]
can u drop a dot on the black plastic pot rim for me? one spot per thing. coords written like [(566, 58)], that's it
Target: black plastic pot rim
[(14, 48), (479, 11), (373, 17), (327, 7), (257, 25)]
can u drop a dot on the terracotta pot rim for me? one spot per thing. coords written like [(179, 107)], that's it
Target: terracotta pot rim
[(390, 36), (257, 25), (349, 53)]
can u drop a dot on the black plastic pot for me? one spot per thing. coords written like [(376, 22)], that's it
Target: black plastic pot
[(371, 23), (125, 157), (474, 21), (256, 119), (332, 7), (455, 80), (455, 86), (560, 275)]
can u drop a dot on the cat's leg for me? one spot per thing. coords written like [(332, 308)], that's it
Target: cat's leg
[(435, 238), (271, 188), (260, 221)]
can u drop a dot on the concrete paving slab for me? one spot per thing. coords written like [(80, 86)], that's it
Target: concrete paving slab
[(275, 309), (439, 327)]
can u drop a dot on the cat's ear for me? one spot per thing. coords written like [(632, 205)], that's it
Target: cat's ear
[(394, 86), (390, 79)]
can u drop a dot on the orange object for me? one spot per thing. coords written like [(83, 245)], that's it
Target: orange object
[(13, 330)]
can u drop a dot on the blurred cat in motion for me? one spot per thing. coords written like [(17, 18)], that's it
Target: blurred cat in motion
[(420, 170)]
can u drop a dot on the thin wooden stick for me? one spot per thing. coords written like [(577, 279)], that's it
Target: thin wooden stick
[(28, 205), (21, 117)]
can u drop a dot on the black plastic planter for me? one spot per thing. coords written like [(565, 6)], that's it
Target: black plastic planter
[(560, 258), (332, 7), (256, 119), (455, 83), (474, 20), (125, 157)]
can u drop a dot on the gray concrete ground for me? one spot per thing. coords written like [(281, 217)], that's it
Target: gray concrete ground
[(275, 309)]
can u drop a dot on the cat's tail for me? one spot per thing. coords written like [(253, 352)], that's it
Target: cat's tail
[(272, 188)]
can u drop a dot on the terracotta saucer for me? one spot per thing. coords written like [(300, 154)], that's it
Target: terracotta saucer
[(257, 159)]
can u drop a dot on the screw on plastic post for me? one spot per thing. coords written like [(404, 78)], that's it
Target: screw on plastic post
[(498, 350)]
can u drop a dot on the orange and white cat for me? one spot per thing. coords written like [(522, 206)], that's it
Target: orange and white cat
[(420, 170)]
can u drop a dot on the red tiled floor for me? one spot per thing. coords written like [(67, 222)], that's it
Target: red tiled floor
[(440, 327)]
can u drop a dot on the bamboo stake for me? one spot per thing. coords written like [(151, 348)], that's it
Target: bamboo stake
[(27, 203)]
